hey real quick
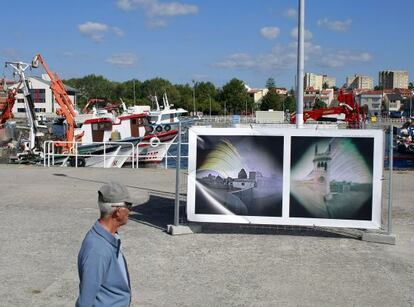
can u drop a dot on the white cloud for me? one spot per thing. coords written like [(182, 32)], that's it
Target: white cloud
[(96, 31), (294, 34), (93, 30), (270, 32), (156, 23), (119, 32), (237, 60), (342, 58), (9, 53), (283, 57), (123, 60), (68, 54), (335, 25), (291, 13), (156, 8)]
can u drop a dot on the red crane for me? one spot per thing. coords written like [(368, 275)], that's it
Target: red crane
[(7, 99), (61, 96), (347, 106)]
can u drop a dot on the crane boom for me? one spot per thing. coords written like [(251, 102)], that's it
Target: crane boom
[(61, 96)]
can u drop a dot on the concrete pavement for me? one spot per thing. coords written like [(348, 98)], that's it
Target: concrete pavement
[(45, 213)]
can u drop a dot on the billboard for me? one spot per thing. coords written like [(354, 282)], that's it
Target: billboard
[(285, 176)]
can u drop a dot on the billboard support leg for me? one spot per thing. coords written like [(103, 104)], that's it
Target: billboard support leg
[(388, 237), (176, 228)]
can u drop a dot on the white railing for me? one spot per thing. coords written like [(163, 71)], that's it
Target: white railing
[(51, 155), (157, 154)]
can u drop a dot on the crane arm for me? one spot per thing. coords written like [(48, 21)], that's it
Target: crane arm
[(61, 96)]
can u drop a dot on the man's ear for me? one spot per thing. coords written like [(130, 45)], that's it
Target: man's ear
[(115, 213)]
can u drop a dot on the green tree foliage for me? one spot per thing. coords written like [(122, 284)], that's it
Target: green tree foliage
[(234, 95), (410, 86), (319, 104), (290, 103), (270, 83), (206, 93), (273, 101), (185, 97), (92, 86)]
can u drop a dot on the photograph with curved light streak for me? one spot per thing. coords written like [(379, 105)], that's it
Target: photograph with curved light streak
[(239, 175), (331, 177)]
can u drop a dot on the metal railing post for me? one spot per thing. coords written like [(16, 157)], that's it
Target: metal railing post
[(390, 166), (177, 180), (76, 154), (104, 153)]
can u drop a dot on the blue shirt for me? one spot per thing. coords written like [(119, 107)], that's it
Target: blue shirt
[(102, 281)]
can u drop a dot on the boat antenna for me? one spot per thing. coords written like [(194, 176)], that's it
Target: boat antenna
[(165, 101), (123, 105), (156, 101)]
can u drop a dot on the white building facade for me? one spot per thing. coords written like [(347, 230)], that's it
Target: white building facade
[(313, 80), (373, 100), (44, 100), (360, 82)]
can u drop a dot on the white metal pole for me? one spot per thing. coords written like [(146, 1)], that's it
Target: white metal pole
[(177, 179), (194, 104), (300, 64), (391, 167)]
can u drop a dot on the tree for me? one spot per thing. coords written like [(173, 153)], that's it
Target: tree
[(272, 101), (378, 88), (410, 86), (270, 83), (205, 93), (290, 104), (319, 104), (325, 85), (234, 95)]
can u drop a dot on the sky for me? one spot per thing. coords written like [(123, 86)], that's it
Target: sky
[(210, 40)]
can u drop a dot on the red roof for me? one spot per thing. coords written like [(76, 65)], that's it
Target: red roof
[(372, 92)]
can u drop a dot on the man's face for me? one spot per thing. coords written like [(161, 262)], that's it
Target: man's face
[(122, 215)]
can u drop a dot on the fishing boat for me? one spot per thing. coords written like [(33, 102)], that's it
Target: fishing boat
[(165, 118)]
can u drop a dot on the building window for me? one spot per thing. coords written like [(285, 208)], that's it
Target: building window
[(21, 110), (38, 95), (20, 100), (40, 110)]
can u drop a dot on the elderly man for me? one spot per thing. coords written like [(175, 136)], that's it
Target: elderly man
[(102, 268)]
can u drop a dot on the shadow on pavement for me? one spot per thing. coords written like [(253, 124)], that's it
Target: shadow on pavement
[(158, 212), (215, 228)]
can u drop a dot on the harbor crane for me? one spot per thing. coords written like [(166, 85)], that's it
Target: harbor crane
[(66, 107), (347, 106)]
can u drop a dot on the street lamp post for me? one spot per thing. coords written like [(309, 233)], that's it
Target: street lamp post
[(134, 92), (209, 98), (245, 115), (194, 104)]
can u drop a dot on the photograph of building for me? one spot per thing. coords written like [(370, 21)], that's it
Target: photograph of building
[(331, 177), (239, 175)]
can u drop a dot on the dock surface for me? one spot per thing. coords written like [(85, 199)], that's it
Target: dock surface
[(45, 213)]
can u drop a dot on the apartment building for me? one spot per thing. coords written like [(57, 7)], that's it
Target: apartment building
[(329, 81), (393, 79), (360, 82), (373, 100), (313, 80)]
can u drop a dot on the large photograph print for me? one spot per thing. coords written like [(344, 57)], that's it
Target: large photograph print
[(239, 175), (331, 177)]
